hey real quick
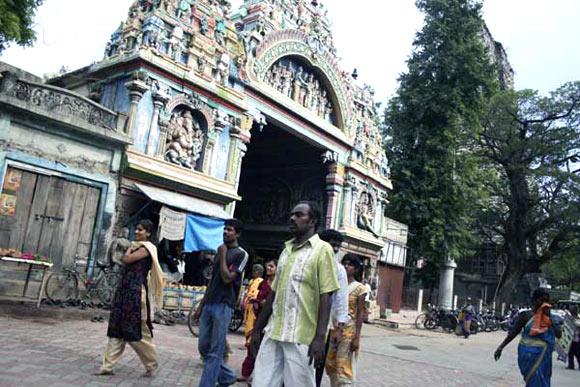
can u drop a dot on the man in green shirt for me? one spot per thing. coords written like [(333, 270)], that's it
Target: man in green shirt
[(297, 310)]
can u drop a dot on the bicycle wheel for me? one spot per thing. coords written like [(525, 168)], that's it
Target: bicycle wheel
[(474, 327), (193, 324), (420, 321), (450, 323), (430, 323), (105, 287), (62, 286), (236, 321)]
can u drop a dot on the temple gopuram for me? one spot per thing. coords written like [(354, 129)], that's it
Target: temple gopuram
[(243, 113)]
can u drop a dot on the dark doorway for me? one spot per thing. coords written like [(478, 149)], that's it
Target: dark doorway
[(278, 171)]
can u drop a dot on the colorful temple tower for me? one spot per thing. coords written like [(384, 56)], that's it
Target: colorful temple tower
[(243, 113)]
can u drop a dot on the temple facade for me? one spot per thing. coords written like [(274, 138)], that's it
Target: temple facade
[(244, 113)]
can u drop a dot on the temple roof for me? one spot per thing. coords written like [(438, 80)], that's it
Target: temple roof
[(268, 46)]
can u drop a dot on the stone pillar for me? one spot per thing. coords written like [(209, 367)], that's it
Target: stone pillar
[(353, 206), (163, 128), (213, 137), (159, 101), (237, 152), (334, 181), (136, 90), (347, 204), (446, 276)]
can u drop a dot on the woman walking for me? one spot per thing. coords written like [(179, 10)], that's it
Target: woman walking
[(537, 342), (250, 298), (345, 340), (140, 288), (264, 290)]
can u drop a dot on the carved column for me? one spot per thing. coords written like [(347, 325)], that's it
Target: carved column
[(236, 153), (163, 128), (208, 157), (159, 101), (136, 90), (346, 204), (355, 196), (334, 182)]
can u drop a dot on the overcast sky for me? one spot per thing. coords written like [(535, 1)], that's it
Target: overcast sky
[(375, 36)]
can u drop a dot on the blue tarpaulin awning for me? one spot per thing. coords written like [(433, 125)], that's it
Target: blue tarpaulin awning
[(202, 233)]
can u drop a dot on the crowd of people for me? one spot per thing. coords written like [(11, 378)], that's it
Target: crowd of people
[(303, 317)]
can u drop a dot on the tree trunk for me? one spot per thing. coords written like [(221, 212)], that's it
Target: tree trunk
[(508, 285), (516, 238)]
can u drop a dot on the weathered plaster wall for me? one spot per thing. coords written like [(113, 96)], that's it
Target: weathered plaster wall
[(55, 149)]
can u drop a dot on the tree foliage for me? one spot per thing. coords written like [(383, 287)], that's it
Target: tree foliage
[(533, 145), (431, 127), (564, 270), (16, 18)]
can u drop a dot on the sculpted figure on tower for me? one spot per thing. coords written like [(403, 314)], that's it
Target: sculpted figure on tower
[(185, 140)]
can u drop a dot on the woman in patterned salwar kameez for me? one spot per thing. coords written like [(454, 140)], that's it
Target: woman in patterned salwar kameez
[(537, 342), (345, 340), (139, 290)]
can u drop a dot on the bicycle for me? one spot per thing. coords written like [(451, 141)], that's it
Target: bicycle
[(447, 320), (63, 285), (423, 317)]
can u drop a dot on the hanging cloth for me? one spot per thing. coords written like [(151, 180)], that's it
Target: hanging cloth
[(171, 224)]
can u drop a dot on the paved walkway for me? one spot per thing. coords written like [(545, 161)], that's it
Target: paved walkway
[(42, 351)]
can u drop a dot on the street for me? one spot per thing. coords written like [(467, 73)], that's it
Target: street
[(49, 352)]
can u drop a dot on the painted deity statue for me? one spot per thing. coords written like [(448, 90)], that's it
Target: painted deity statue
[(365, 214), (185, 140)]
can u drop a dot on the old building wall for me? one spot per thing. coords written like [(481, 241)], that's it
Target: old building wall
[(60, 156)]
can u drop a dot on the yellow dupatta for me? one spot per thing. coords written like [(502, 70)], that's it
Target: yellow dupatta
[(155, 277)]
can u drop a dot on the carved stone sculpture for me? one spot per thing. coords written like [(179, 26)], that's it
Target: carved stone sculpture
[(365, 214), (184, 140), (301, 84)]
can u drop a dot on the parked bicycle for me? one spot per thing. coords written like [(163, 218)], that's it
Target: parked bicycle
[(63, 285), (447, 320), (420, 320)]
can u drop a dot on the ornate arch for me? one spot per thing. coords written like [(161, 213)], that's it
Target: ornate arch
[(285, 43), (194, 103)]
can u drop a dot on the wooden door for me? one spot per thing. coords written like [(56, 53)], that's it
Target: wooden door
[(47, 215)]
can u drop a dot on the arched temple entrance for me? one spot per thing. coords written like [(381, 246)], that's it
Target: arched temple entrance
[(278, 171)]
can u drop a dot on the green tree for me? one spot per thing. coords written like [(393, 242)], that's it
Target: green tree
[(16, 18), (564, 271), (431, 127), (533, 145)]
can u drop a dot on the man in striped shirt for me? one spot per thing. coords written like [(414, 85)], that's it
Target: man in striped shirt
[(298, 308)]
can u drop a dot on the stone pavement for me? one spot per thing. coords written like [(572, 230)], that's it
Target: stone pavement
[(49, 352)]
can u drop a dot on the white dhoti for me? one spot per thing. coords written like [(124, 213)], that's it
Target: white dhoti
[(280, 363)]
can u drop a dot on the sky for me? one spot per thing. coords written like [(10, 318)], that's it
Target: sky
[(375, 36)]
